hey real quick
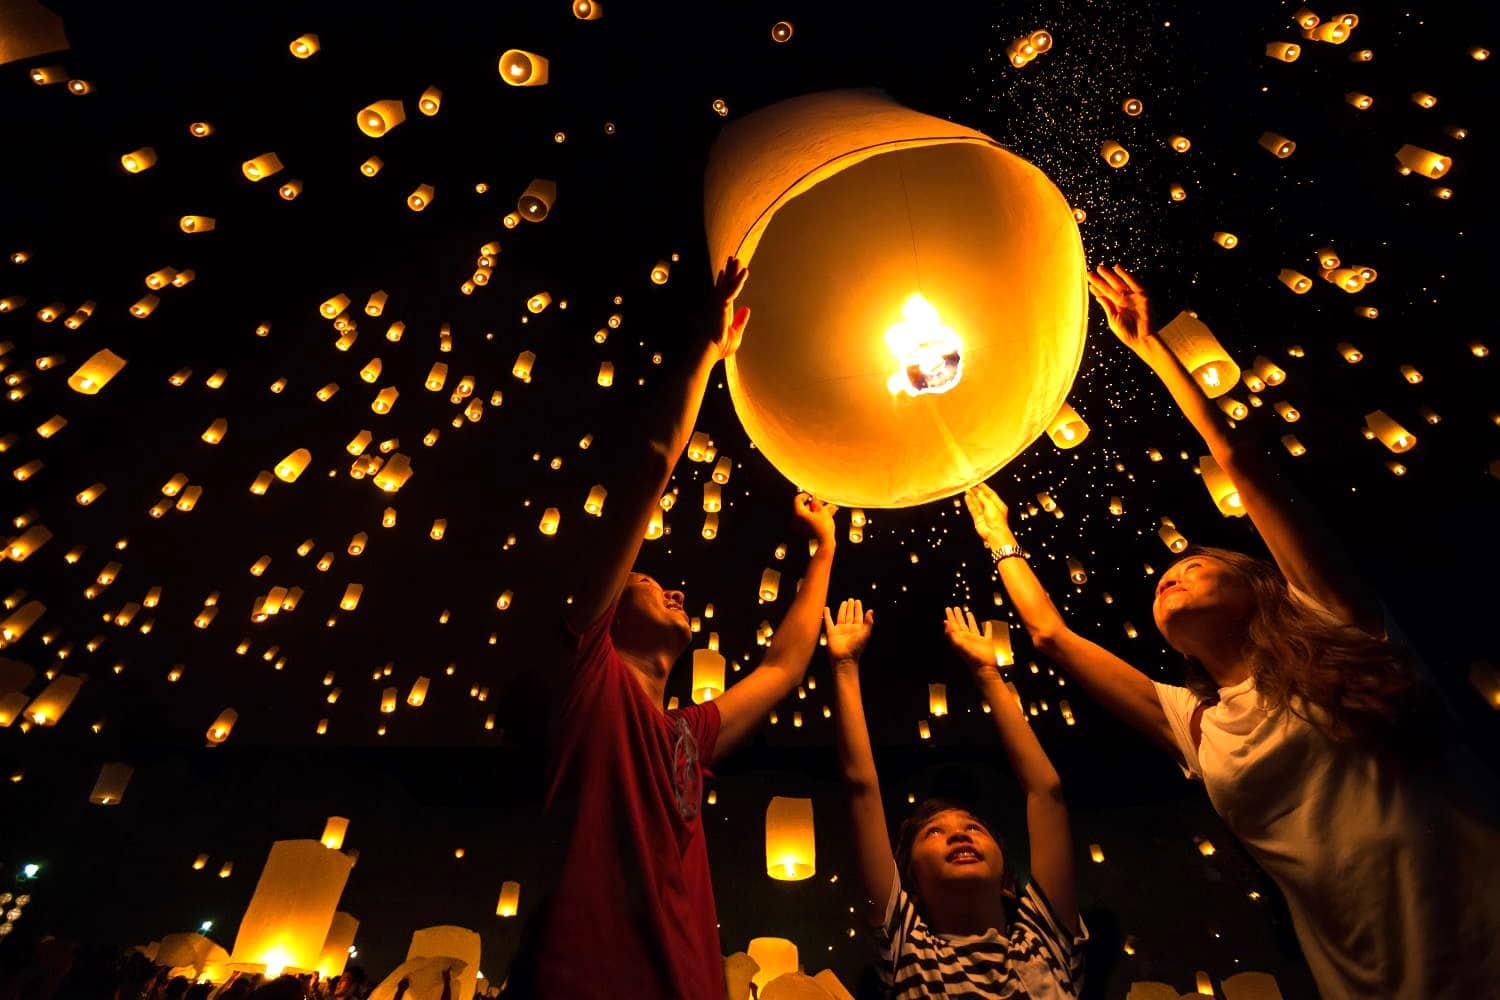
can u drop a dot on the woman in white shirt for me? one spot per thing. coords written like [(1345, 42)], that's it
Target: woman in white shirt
[(1319, 740)]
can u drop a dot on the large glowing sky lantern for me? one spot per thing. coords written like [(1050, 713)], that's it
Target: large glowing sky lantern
[(917, 293)]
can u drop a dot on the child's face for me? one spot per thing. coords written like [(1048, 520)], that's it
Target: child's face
[(954, 852)]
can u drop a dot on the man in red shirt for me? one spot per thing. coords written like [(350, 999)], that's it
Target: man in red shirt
[(630, 911)]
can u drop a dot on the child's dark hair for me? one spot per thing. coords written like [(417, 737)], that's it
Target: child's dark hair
[(906, 836)]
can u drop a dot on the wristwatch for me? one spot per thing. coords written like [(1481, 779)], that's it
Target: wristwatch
[(1007, 552)]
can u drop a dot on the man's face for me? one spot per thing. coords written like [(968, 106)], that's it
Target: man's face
[(650, 618)]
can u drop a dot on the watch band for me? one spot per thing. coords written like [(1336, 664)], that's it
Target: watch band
[(1008, 552)]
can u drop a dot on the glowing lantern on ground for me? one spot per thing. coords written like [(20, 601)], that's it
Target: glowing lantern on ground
[(510, 899), (708, 675), (379, 118), (520, 68), (1277, 145), (775, 956), (109, 789), (1201, 354), (222, 726), (1391, 434), (795, 187), (1226, 495), (1067, 429), (790, 851), (96, 372), (536, 201), (289, 915)]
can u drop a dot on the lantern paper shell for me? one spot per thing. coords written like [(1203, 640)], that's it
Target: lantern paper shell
[(1201, 354), (937, 699), (446, 942), (1415, 159), (333, 832), (1114, 154), (379, 118), (1391, 434), (708, 675), (536, 201), (799, 187), (1277, 145), (510, 899), (290, 914), (109, 789), (46, 708), (1226, 495), (1285, 51), (96, 372), (790, 851), (222, 726), (520, 68), (776, 957), (1067, 429), (336, 945), (262, 166)]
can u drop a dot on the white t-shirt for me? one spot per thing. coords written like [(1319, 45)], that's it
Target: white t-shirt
[(1392, 878), (1036, 957)]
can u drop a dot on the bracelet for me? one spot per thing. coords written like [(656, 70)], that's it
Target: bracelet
[(1007, 552)]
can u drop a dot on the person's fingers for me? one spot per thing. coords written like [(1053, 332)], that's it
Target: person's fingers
[(1129, 279), (870, 617), (969, 616), (832, 508), (739, 282), (846, 612), (827, 620), (1110, 279)]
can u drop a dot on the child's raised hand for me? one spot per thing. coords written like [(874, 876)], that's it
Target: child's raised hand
[(969, 641), (848, 635), (816, 517)]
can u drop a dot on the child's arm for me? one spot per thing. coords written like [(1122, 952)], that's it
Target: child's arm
[(872, 846), (1046, 813), (746, 704)]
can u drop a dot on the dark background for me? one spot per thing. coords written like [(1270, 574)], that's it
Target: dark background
[(437, 779)]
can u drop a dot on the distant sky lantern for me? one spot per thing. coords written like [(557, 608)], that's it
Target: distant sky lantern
[(350, 600), (587, 10), (1132, 106), (720, 107), (1076, 573), (1415, 159), (538, 302), (196, 223), (790, 850), (142, 159), (289, 468), (1362, 56), (1286, 411), (1295, 280), (1114, 154), (1410, 373), (1067, 429), (420, 198), (1478, 53), (1391, 434), (708, 675), (1285, 51), (1173, 539), (290, 190), (1277, 145), (372, 166), (262, 166), (304, 46), (215, 431), (377, 119), (1233, 408), (1348, 279), (1334, 32), (200, 130), (660, 272), (1201, 354), (520, 68), (418, 693), (1221, 488), (287, 920), (710, 525), (1423, 100), (713, 497), (536, 201), (594, 503), (1361, 102), (145, 306), (1179, 143), (1293, 446), (1226, 240), (781, 32), (1305, 18), (770, 584), (222, 726), (510, 899), (937, 699), (550, 519), (722, 469), (1177, 192), (96, 372), (430, 101), (991, 268), (522, 368), (109, 789)]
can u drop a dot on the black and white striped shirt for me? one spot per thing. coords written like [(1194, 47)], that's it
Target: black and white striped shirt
[(1037, 957)]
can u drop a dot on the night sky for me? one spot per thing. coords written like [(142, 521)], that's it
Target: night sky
[(624, 127)]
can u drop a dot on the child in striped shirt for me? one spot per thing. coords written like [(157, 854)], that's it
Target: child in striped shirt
[(939, 907)]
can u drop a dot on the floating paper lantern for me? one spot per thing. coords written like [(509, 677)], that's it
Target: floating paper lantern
[(1277, 145), (289, 468), (430, 101), (770, 583), (420, 198), (1067, 429), (216, 431), (937, 699), (775, 957), (1132, 106), (385, 399), (1362, 102), (388, 701), (196, 223), (708, 675), (262, 166), (1285, 51), (1391, 434), (1349, 352), (510, 899), (290, 914), (1076, 573), (109, 789), (377, 119), (781, 32), (587, 10), (1267, 370), (1423, 100), (520, 68), (371, 166), (223, 724), (304, 46), (538, 302), (550, 519), (1201, 354), (340, 940), (1177, 192), (1226, 240), (1286, 411), (1179, 143), (351, 597), (606, 377), (1415, 159), (290, 190), (713, 498), (141, 159), (48, 706), (595, 503), (1294, 447), (1411, 374), (660, 272), (790, 850), (1221, 488), (96, 372), (1171, 537), (1295, 280), (710, 526), (1114, 154), (1233, 408), (794, 187), (722, 469), (536, 201)]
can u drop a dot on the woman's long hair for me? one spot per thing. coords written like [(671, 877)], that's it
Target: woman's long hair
[(1354, 688)]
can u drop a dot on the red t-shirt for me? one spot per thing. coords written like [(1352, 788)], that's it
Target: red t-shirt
[(632, 912)]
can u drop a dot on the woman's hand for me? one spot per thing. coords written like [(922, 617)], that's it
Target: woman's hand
[(974, 645), (991, 515), (727, 325), (1125, 306), (847, 636), (816, 518)]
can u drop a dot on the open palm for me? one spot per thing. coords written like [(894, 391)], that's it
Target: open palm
[(970, 641), (1124, 303), (848, 635)]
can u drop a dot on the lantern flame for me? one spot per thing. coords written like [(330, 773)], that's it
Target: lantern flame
[(928, 351)]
